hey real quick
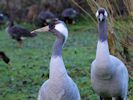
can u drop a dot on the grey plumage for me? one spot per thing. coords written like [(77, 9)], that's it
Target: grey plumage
[(109, 75)]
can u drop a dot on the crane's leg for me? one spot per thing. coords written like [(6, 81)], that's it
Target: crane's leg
[(119, 98), (19, 44), (105, 98), (100, 98), (73, 21)]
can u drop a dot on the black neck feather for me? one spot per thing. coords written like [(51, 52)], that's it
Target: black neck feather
[(102, 31)]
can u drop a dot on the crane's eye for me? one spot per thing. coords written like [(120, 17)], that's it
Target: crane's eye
[(51, 26)]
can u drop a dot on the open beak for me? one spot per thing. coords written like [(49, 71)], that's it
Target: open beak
[(43, 29)]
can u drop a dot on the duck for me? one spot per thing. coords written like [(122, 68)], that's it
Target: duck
[(4, 57), (18, 33), (109, 75), (45, 17), (60, 85), (69, 15)]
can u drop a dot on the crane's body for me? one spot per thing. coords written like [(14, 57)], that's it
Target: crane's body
[(109, 75)]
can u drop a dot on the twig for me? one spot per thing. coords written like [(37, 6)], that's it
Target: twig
[(84, 11)]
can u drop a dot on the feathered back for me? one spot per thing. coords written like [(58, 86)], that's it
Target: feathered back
[(18, 31)]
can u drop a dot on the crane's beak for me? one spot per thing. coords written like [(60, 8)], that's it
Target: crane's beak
[(100, 17), (43, 29)]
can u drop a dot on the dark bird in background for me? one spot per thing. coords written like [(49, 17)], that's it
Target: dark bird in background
[(45, 17), (69, 15), (18, 33), (4, 57), (3, 18)]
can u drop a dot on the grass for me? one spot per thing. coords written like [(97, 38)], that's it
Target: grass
[(29, 69)]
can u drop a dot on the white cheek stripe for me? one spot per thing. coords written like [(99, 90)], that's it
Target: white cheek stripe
[(97, 13), (62, 29), (105, 13)]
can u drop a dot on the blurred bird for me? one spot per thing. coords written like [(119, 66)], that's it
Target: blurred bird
[(4, 57), (1, 18), (109, 75), (69, 15), (45, 17), (18, 33), (59, 86)]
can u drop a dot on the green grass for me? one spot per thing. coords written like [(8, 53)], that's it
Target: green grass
[(30, 64)]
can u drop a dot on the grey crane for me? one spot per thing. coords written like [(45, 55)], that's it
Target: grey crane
[(59, 86), (109, 75)]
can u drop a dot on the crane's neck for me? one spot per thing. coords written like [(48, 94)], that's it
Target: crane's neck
[(103, 62), (57, 67), (102, 31), (57, 47), (102, 45)]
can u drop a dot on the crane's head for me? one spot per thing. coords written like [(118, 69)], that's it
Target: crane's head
[(55, 26), (101, 14)]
